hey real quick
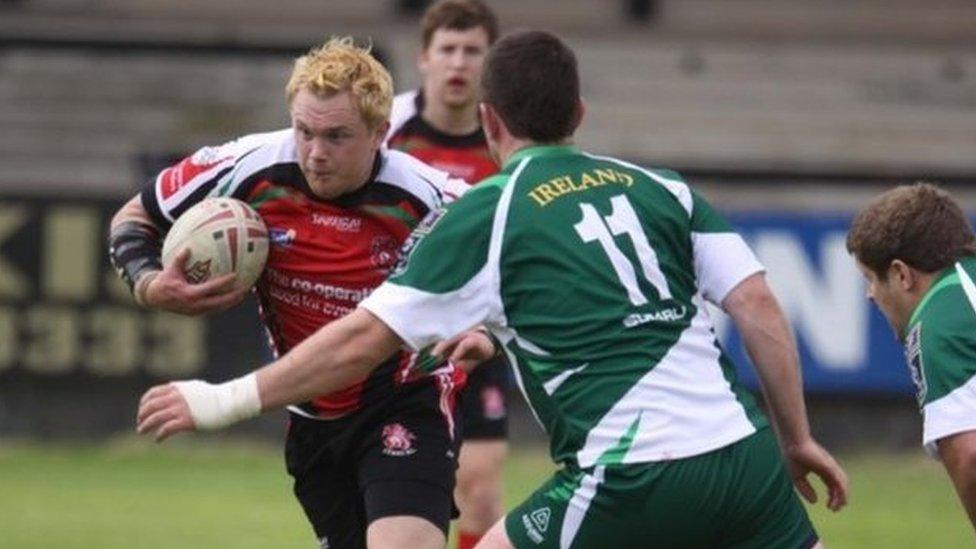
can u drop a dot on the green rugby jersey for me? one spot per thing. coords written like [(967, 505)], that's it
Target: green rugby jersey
[(940, 349), (593, 273)]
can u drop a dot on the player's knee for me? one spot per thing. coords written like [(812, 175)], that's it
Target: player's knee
[(478, 489), (404, 531)]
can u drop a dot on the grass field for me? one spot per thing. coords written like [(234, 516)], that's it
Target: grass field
[(197, 493)]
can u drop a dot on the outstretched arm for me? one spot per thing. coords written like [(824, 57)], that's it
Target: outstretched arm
[(333, 358), (769, 342)]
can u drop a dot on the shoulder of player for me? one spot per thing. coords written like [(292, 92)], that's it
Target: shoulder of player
[(404, 108), (614, 169), (940, 346), (216, 170), (409, 174), (947, 311), (258, 151)]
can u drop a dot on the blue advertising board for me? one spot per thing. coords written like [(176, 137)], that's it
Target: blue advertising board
[(845, 344)]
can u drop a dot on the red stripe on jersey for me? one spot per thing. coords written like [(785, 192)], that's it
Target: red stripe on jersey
[(174, 178), (323, 259), (471, 164)]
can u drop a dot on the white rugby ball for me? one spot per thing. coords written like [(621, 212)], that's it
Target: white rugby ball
[(224, 235)]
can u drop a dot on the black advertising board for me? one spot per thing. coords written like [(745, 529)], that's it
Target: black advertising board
[(75, 350)]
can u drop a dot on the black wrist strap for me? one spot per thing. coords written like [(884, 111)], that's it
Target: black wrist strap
[(134, 249)]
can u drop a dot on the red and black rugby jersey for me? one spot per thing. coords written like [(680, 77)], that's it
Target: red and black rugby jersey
[(462, 156), (325, 255)]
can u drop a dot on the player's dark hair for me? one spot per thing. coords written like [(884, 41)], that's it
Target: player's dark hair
[(458, 15), (531, 80), (919, 224)]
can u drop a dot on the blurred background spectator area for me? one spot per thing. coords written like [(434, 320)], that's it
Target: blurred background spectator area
[(800, 86)]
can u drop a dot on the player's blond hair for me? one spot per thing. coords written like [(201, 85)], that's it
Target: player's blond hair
[(339, 65)]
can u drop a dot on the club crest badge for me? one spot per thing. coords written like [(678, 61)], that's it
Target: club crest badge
[(398, 440)]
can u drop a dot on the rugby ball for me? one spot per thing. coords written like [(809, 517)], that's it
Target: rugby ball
[(224, 235)]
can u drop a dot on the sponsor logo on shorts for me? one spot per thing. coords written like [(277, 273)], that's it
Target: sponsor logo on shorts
[(281, 237), (398, 440), (536, 523), (493, 403), (324, 542)]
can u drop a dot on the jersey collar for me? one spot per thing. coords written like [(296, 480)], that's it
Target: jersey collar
[(539, 150), (947, 277)]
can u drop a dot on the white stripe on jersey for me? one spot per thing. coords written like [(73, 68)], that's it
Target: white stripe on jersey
[(251, 154), (678, 188), (684, 405), (578, 505), (404, 108), (243, 157), (429, 184)]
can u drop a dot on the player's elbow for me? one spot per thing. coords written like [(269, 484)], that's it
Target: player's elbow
[(751, 299)]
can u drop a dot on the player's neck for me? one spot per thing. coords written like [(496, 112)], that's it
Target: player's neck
[(452, 121), (509, 145)]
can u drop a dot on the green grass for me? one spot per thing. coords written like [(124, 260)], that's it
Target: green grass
[(198, 493)]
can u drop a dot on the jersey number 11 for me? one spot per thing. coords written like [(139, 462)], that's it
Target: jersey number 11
[(623, 220)]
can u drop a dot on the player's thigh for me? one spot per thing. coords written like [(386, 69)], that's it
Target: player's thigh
[(479, 490), (404, 531), (408, 463), (736, 497), (481, 461), (768, 512), (324, 486)]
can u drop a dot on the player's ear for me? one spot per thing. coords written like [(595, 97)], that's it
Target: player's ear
[(903, 275), (380, 134), (578, 113), (489, 121)]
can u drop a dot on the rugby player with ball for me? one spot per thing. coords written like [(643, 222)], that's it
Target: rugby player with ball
[(373, 463)]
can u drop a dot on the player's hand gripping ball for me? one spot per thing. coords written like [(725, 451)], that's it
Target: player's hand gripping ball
[(224, 235)]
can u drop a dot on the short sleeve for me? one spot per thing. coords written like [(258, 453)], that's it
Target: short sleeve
[(941, 354), (722, 257)]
